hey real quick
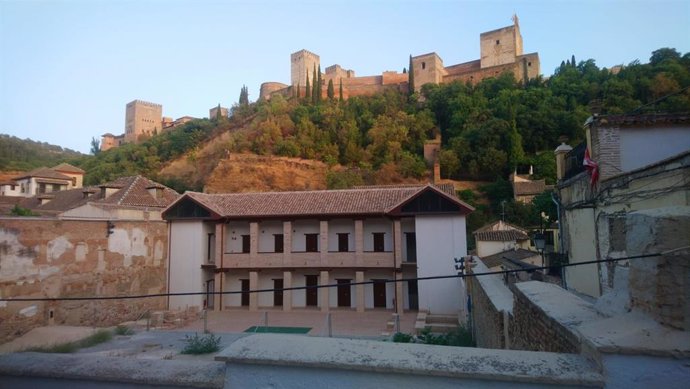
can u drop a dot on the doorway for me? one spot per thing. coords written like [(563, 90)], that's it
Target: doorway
[(277, 294), (412, 295), (312, 293), (344, 293), (210, 288), (379, 294), (245, 292)]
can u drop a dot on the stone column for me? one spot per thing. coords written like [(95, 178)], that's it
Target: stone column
[(287, 294), (323, 242), (287, 243), (359, 289), (253, 285), (359, 242), (218, 279), (397, 243), (253, 242), (324, 293), (399, 298)]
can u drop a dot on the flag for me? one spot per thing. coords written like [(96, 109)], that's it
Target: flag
[(592, 168)]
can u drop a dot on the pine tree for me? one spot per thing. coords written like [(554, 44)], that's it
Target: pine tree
[(330, 91), (410, 78), (307, 94), (341, 89), (313, 86)]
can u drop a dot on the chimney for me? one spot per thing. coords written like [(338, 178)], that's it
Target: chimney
[(561, 151)]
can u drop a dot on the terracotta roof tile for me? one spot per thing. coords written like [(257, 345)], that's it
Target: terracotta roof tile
[(500, 236), (361, 201), (44, 172), (510, 258), (529, 188), (67, 168)]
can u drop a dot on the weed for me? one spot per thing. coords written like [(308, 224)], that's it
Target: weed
[(100, 336), (400, 337), (123, 330), (201, 344)]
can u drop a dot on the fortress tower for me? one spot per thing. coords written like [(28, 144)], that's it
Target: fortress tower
[(142, 118), (501, 46), (302, 62)]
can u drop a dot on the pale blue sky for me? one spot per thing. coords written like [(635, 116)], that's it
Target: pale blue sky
[(68, 68)]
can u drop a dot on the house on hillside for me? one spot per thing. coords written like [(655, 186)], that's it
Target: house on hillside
[(132, 198), (43, 181), (526, 189), (248, 241), (628, 163)]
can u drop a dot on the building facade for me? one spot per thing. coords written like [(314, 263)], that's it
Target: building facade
[(501, 51), (142, 118), (43, 181), (234, 243)]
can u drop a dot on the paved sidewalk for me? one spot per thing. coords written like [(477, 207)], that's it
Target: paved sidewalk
[(345, 323)]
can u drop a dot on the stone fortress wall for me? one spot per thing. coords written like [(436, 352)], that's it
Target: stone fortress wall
[(142, 118), (501, 51)]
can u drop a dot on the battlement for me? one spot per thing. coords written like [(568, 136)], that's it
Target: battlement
[(146, 103)]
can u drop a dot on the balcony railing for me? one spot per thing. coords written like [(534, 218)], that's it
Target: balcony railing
[(307, 259), (573, 161)]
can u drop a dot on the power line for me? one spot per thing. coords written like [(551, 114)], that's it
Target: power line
[(508, 271)]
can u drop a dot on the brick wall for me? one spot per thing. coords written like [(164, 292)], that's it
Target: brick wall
[(48, 258), (606, 150)]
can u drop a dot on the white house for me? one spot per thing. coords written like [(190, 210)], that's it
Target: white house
[(377, 235)]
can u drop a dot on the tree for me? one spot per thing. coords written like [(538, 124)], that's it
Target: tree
[(318, 85), (307, 94), (341, 90), (663, 54), (572, 61), (218, 114), (331, 91), (244, 97), (410, 78), (95, 146)]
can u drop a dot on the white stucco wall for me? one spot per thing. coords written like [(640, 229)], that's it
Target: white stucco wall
[(580, 228), (267, 230), (378, 225), (643, 146), (439, 240), (486, 248), (187, 243), (233, 236), (299, 229), (341, 226)]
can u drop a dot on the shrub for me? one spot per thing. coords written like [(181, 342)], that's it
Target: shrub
[(201, 344), (101, 336), (400, 337), (123, 330)]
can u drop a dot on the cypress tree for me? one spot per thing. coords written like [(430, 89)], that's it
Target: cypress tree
[(410, 78), (318, 85), (307, 94), (331, 90), (218, 114), (313, 86), (341, 89), (572, 62)]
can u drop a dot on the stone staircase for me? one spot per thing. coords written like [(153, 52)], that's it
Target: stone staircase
[(438, 324)]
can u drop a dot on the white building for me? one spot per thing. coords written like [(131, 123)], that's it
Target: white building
[(249, 241)]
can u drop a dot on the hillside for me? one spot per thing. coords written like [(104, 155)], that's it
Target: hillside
[(18, 155)]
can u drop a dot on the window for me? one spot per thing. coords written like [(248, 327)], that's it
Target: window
[(529, 63), (423, 65), (343, 242), (312, 242), (211, 247), (498, 41), (245, 243), (378, 241), (278, 243)]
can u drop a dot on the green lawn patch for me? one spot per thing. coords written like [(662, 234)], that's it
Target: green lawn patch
[(278, 330), (101, 336)]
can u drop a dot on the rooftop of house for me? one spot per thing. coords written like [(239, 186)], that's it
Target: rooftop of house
[(361, 201), (638, 119), (67, 168), (511, 259), (500, 236), (522, 188), (131, 191), (44, 172)]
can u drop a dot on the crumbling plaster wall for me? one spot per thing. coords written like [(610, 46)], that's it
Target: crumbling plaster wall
[(49, 258)]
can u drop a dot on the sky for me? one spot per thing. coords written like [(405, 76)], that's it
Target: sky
[(69, 67)]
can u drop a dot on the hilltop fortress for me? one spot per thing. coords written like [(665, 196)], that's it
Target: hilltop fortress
[(501, 51)]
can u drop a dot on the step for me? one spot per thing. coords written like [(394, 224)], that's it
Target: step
[(442, 327), (450, 319)]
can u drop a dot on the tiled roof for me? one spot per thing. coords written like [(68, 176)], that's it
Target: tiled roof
[(603, 120), (500, 236), (132, 193), (44, 172), (529, 187), (67, 168), (361, 201), (511, 259)]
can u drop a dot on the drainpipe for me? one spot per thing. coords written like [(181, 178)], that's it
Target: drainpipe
[(560, 235)]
